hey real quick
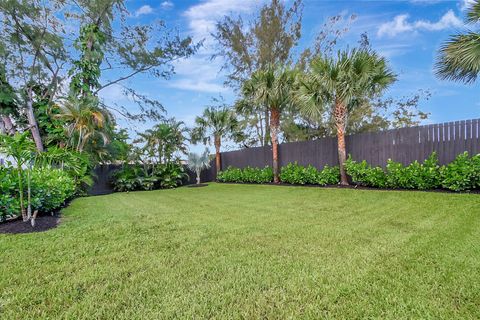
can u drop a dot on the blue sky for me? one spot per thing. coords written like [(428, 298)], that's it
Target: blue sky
[(408, 33)]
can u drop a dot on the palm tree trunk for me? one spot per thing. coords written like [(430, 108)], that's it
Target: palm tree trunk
[(266, 136), (274, 131), (20, 193), (32, 122), (340, 117), (218, 155)]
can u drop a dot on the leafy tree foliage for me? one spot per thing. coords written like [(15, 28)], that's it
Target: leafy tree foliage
[(247, 47)]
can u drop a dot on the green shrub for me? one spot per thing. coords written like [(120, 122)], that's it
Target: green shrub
[(329, 175), (9, 202), (50, 188), (461, 174), (416, 175), (135, 177), (364, 174), (294, 173), (246, 175)]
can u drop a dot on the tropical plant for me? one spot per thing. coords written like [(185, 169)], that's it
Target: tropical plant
[(272, 87), (294, 173), (269, 38), (164, 140), (134, 177), (463, 173), (21, 149), (215, 124), (342, 84), (49, 189), (459, 57), (246, 175), (197, 162), (85, 121)]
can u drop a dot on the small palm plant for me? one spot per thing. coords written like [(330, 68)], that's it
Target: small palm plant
[(22, 150), (197, 162)]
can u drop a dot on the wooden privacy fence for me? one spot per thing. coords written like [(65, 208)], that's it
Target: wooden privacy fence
[(403, 145)]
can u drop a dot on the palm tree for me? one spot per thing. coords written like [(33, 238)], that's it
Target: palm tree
[(216, 123), (272, 87), (342, 84), (198, 162), (22, 150), (459, 57), (164, 140), (85, 121)]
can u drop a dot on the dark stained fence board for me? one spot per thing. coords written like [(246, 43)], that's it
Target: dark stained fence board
[(403, 145)]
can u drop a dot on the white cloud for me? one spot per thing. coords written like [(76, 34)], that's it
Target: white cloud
[(202, 17), (392, 50), (199, 73), (400, 24), (465, 4), (146, 9), (167, 4)]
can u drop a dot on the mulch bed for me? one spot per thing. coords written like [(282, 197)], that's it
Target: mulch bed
[(197, 185), (42, 223)]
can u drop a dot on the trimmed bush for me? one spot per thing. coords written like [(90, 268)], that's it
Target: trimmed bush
[(365, 175), (463, 173), (246, 175), (291, 173), (294, 173), (460, 175), (50, 188)]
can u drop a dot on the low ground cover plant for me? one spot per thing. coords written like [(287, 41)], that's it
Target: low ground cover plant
[(462, 174)]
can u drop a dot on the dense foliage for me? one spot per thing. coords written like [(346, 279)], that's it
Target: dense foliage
[(50, 188), (460, 175), (246, 175), (297, 174), (135, 177), (291, 173)]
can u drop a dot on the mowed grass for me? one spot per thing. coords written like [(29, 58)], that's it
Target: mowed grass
[(245, 251)]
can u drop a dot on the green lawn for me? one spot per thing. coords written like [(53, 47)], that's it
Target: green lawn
[(245, 251)]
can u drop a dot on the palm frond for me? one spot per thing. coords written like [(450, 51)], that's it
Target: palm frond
[(459, 58)]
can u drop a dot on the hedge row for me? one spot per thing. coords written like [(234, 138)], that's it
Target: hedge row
[(246, 175), (292, 173), (460, 175)]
